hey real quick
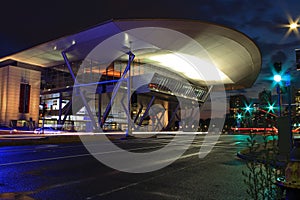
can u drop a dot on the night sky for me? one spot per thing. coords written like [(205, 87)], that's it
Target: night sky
[(27, 23)]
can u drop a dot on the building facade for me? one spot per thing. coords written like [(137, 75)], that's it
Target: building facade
[(20, 95), (67, 84)]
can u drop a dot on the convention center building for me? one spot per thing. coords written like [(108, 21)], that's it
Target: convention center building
[(126, 74)]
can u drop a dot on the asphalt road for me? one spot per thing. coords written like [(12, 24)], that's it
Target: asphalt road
[(68, 171)]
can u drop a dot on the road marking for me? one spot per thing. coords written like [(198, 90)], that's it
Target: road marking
[(190, 155), (165, 195), (64, 184), (79, 155), (114, 190), (140, 182), (42, 160), (45, 146), (197, 144), (34, 148)]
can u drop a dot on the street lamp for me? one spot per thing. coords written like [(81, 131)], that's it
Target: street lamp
[(292, 26), (285, 141), (277, 78)]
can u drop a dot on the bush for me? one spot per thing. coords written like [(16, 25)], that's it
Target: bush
[(263, 168)]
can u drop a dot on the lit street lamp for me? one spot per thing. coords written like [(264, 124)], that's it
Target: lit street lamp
[(277, 78), (292, 27), (285, 141)]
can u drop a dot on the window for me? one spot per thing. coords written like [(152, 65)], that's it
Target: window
[(24, 98)]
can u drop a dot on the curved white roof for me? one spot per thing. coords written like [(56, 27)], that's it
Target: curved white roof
[(236, 56)]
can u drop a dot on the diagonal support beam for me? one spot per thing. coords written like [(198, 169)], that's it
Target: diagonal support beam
[(146, 111), (115, 91), (174, 113), (159, 120), (94, 124), (68, 108), (137, 115)]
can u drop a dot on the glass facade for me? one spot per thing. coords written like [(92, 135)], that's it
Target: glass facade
[(150, 84)]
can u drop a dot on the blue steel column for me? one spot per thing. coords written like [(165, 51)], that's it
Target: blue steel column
[(129, 129), (80, 92), (60, 108)]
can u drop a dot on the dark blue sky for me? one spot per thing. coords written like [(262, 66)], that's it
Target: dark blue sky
[(28, 23)]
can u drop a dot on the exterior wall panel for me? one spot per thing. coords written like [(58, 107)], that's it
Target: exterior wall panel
[(11, 78)]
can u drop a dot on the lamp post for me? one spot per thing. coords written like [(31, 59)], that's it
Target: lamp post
[(291, 181), (277, 79)]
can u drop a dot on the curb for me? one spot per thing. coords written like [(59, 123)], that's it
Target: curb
[(243, 156), (248, 157)]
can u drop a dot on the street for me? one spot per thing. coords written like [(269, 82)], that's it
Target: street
[(68, 171)]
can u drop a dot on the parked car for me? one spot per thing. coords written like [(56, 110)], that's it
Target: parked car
[(46, 130), (7, 129)]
